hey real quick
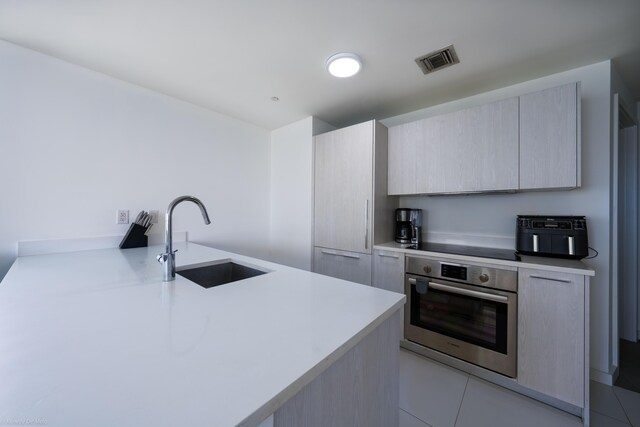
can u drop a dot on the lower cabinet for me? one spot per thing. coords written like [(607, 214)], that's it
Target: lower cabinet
[(352, 266), (553, 334), (360, 389), (388, 270), (388, 273)]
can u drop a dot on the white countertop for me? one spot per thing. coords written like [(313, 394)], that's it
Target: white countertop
[(95, 338), (541, 263)]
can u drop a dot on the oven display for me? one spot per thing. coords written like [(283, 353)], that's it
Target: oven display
[(453, 271)]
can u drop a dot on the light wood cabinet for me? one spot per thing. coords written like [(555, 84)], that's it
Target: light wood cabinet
[(553, 334), (352, 266), (403, 158), (352, 211), (360, 389), (472, 150), (549, 138), (388, 270), (388, 274), (531, 142), (344, 188)]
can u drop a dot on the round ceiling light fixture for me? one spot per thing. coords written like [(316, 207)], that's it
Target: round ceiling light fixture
[(344, 64)]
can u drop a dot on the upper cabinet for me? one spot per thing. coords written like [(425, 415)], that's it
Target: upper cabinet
[(549, 138), (518, 143), (463, 151), (403, 164)]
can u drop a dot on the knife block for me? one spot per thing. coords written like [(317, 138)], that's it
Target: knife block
[(135, 237)]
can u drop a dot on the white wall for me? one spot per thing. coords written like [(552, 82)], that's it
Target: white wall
[(494, 214), (626, 98), (77, 145), (291, 230)]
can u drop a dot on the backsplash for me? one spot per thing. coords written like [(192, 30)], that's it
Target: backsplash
[(467, 239)]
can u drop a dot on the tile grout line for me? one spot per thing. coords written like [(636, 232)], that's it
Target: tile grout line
[(417, 418), (628, 422), (622, 406), (462, 400)]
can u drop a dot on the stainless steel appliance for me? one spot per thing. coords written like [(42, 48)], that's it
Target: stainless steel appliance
[(557, 236), (465, 310), (408, 225)]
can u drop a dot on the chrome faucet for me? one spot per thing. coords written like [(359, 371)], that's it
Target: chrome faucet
[(168, 259)]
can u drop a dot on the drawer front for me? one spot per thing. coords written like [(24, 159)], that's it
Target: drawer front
[(352, 266)]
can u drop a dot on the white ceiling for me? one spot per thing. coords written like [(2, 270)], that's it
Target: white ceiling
[(232, 56)]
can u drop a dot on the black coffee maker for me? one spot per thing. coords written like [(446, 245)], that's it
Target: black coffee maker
[(408, 225)]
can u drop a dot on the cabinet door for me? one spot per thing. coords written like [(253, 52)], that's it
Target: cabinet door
[(403, 141), (489, 147), (388, 270), (551, 334), (388, 273), (549, 131), (352, 266), (343, 188), (475, 149)]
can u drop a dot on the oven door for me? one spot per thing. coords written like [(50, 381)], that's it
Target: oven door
[(472, 323)]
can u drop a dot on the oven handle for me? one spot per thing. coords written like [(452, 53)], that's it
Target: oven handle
[(466, 292)]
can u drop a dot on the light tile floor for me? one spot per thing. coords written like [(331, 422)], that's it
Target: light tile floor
[(436, 395)]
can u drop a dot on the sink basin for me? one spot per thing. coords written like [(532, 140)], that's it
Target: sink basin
[(219, 273)]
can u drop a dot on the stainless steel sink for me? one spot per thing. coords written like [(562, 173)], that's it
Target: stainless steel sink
[(219, 273)]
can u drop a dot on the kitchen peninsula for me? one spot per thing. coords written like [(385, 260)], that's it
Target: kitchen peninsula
[(96, 338)]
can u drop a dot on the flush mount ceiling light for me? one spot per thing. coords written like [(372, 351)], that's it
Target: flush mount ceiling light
[(344, 64)]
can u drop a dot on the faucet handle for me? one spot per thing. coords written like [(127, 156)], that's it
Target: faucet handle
[(162, 258)]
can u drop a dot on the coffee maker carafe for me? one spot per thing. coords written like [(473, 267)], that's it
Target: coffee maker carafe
[(408, 225)]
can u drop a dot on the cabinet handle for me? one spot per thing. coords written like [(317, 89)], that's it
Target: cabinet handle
[(389, 256), (342, 255), (549, 278), (366, 224)]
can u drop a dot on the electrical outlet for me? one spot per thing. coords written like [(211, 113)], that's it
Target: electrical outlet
[(154, 217), (122, 216)]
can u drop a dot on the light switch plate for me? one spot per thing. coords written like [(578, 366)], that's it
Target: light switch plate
[(154, 217)]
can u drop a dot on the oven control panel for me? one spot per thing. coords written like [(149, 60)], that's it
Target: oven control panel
[(453, 271), (480, 274)]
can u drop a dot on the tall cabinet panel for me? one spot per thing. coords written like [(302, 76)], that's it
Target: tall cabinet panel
[(350, 193), (549, 138), (344, 188)]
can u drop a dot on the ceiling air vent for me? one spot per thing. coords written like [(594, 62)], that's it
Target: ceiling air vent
[(436, 60)]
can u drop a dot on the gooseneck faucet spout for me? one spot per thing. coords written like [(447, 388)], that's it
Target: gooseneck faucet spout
[(168, 259)]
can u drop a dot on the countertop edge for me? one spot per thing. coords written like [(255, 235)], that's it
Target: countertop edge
[(295, 387), (539, 263)]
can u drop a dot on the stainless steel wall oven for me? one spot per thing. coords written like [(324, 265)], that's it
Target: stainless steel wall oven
[(465, 310)]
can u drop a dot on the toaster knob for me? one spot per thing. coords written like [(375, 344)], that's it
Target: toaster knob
[(484, 277)]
